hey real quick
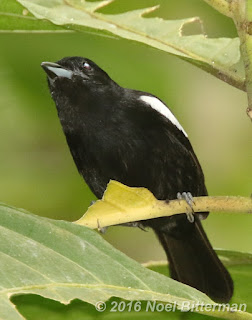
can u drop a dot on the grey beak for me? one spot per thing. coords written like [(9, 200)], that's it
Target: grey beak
[(54, 70)]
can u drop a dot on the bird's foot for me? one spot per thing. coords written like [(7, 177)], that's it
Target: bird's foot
[(101, 229), (127, 224), (187, 196), (132, 224)]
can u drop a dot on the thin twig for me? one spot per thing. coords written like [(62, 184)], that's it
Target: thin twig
[(121, 204)]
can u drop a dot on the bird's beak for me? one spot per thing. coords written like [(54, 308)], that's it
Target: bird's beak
[(54, 70)]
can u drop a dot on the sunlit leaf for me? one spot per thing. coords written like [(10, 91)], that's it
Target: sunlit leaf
[(14, 18), (220, 57), (62, 261)]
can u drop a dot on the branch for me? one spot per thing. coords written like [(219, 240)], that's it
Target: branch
[(240, 11), (242, 17), (121, 204)]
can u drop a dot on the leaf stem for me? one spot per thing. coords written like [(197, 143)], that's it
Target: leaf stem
[(242, 18), (223, 6)]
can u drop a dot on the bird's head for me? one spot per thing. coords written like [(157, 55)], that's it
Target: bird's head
[(74, 71)]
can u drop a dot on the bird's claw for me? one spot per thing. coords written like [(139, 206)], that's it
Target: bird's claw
[(187, 196), (127, 224), (132, 224), (101, 229)]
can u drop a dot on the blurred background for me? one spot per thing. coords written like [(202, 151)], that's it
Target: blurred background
[(37, 172)]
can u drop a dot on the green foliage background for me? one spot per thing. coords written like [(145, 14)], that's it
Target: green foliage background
[(36, 169)]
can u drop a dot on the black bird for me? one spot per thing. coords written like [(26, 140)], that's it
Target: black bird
[(132, 137)]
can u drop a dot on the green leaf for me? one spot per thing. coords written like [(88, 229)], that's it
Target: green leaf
[(32, 307), (14, 18), (62, 261), (220, 57)]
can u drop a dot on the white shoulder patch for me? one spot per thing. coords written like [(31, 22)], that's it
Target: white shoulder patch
[(163, 109)]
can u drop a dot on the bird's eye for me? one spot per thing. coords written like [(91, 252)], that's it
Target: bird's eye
[(86, 65)]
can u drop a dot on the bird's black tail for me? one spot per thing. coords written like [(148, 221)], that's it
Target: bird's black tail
[(193, 261)]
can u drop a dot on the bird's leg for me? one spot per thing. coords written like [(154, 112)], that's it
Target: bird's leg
[(187, 196)]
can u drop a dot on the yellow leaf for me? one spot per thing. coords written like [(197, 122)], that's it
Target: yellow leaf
[(119, 201)]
